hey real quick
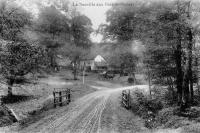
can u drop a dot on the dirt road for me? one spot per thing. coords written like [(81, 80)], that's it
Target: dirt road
[(97, 112), (93, 113)]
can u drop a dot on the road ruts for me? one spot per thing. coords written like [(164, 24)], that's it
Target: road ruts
[(82, 106), (89, 120), (94, 124), (85, 117)]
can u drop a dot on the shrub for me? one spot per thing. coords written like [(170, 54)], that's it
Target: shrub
[(164, 115), (192, 112), (20, 80), (165, 95), (148, 103), (130, 80), (146, 107)]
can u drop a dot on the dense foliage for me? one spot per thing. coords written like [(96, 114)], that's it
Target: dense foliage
[(168, 30), (13, 19), (33, 42)]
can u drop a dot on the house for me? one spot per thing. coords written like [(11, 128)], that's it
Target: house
[(100, 63), (97, 63), (88, 64)]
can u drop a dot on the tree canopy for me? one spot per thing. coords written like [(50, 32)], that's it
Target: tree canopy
[(13, 19), (168, 30)]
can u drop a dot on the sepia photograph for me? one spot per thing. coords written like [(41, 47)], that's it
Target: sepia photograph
[(99, 66)]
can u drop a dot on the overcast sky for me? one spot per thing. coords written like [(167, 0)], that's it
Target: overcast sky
[(95, 13)]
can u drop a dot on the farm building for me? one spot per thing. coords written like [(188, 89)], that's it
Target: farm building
[(97, 63)]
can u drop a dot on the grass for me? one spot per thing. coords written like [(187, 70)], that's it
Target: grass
[(47, 109), (6, 118), (15, 98), (32, 101), (160, 112)]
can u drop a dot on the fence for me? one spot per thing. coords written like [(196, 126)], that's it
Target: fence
[(126, 99), (61, 96)]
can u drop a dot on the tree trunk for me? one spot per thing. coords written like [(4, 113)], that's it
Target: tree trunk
[(149, 80), (185, 93), (121, 70), (10, 84), (197, 73), (52, 58), (191, 92), (75, 71), (190, 38), (188, 79), (179, 74), (171, 87)]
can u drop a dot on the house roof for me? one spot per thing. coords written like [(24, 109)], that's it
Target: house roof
[(96, 57), (99, 58)]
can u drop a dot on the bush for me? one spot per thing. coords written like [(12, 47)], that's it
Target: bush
[(146, 107), (153, 105), (130, 80), (163, 94), (168, 118), (20, 80), (192, 112), (161, 111), (164, 115), (196, 98)]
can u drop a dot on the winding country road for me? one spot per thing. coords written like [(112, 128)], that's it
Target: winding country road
[(83, 117), (96, 112)]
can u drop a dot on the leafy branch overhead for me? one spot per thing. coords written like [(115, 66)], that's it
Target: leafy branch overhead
[(168, 30), (21, 58), (12, 20)]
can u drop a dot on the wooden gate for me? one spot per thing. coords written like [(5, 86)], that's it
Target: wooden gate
[(126, 99), (61, 96)]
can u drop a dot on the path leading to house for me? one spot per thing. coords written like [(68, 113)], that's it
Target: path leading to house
[(97, 112), (55, 81)]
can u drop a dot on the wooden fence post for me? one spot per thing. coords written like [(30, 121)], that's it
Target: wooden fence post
[(69, 95), (60, 98), (54, 99), (123, 97), (128, 99), (66, 95)]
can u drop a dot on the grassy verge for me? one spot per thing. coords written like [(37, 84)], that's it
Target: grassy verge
[(78, 90), (159, 111), (31, 101)]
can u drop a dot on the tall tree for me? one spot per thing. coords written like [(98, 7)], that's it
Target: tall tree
[(18, 59), (53, 27), (12, 20), (166, 30), (122, 56), (81, 30)]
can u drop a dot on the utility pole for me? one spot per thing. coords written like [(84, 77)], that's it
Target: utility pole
[(84, 73), (149, 79)]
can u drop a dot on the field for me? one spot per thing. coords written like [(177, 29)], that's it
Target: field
[(36, 96)]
